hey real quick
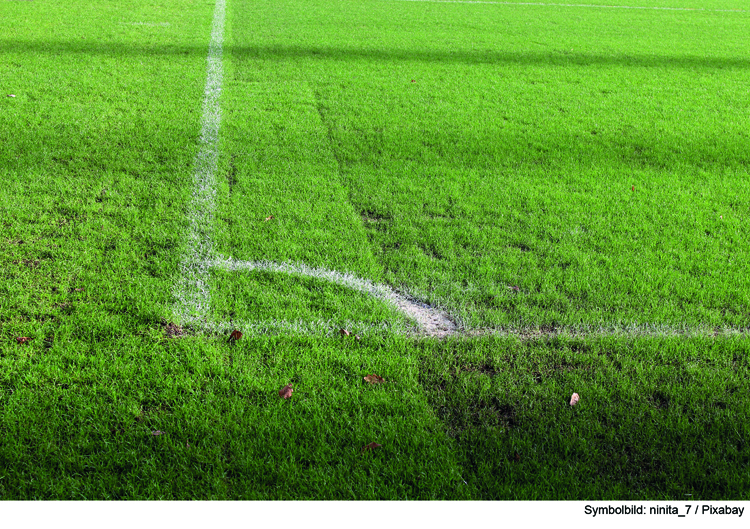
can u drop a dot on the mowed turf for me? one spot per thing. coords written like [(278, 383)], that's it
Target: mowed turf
[(108, 401), (594, 159)]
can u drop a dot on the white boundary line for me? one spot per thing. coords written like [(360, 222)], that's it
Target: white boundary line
[(430, 320), (593, 6), (192, 292)]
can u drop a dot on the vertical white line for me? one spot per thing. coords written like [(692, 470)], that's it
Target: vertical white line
[(192, 291)]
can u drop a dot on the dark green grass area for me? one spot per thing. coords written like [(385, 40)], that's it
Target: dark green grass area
[(82, 426), (278, 162), (658, 419), (595, 159)]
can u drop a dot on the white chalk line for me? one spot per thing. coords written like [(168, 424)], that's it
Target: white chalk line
[(148, 24), (310, 327), (430, 320), (192, 292), (593, 6)]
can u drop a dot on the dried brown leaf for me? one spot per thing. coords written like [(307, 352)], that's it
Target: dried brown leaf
[(236, 335), (344, 332), (23, 339), (269, 217), (371, 446), (374, 379), (356, 337), (286, 391), (574, 399)]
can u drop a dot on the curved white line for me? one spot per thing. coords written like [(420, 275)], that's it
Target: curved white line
[(432, 321)]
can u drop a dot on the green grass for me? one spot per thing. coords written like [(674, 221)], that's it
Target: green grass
[(509, 161)]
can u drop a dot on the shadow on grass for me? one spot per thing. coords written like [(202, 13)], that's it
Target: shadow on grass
[(651, 425), (561, 58)]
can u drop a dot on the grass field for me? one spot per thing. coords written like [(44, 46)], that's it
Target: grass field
[(565, 189)]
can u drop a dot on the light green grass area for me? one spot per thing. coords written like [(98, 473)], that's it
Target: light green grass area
[(449, 151), (486, 147)]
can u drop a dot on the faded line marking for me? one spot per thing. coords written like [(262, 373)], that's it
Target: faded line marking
[(431, 321), (150, 24), (312, 327), (626, 331), (192, 292), (596, 6)]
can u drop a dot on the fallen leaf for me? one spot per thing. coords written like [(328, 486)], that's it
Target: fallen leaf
[(269, 217), (344, 332), (236, 335), (286, 391), (574, 399), (413, 80), (157, 432), (356, 337), (516, 457), (374, 379), (371, 446), (23, 339), (11, 95), (78, 289), (513, 287), (632, 188)]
